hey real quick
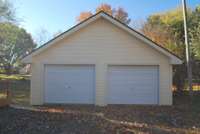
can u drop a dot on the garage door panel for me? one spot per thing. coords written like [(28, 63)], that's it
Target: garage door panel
[(133, 85), (69, 84)]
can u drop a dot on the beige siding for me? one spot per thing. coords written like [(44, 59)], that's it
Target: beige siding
[(102, 44)]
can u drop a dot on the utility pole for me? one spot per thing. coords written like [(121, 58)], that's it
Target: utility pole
[(187, 48)]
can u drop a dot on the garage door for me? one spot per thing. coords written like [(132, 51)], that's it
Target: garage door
[(133, 85), (69, 84)]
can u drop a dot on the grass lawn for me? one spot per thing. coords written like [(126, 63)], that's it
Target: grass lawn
[(19, 88), (182, 118), (14, 77), (20, 97)]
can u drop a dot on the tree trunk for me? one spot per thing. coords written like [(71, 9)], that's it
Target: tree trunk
[(8, 69)]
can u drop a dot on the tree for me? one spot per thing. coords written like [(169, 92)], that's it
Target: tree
[(167, 29), (42, 36), (14, 43), (83, 16), (156, 33), (7, 12), (122, 15), (194, 32), (118, 13), (195, 41), (106, 8)]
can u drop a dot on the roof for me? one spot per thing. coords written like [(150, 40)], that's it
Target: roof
[(174, 59)]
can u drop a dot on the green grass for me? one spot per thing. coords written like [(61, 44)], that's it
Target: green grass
[(14, 77), (2, 95), (184, 101), (19, 89), (20, 97)]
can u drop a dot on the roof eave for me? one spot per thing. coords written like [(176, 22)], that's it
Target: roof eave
[(176, 61), (27, 60)]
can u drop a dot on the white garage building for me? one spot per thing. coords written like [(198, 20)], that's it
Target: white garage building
[(101, 61)]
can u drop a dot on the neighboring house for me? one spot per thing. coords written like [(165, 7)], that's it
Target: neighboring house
[(101, 61)]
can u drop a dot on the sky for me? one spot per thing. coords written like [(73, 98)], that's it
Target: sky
[(60, 15)]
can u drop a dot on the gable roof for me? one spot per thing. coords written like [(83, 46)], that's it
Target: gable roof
[(174, 59)]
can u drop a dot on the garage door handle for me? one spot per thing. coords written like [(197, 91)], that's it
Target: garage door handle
[(67, 87)]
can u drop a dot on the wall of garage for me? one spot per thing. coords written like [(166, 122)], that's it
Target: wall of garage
[(101, 44)]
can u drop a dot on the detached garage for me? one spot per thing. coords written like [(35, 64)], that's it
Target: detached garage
[(101, 61)]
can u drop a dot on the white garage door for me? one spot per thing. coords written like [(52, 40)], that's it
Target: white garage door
[(69, 84), (133, 85)]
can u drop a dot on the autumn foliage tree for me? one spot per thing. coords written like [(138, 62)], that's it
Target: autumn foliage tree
[(122, 15), (106, 8), (83, 16), (118, 13), (167, 30), (194, 31)]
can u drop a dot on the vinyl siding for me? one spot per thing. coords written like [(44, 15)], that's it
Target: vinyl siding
[(101, 44)]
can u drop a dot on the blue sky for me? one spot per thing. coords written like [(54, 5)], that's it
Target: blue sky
[(59, 15)]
